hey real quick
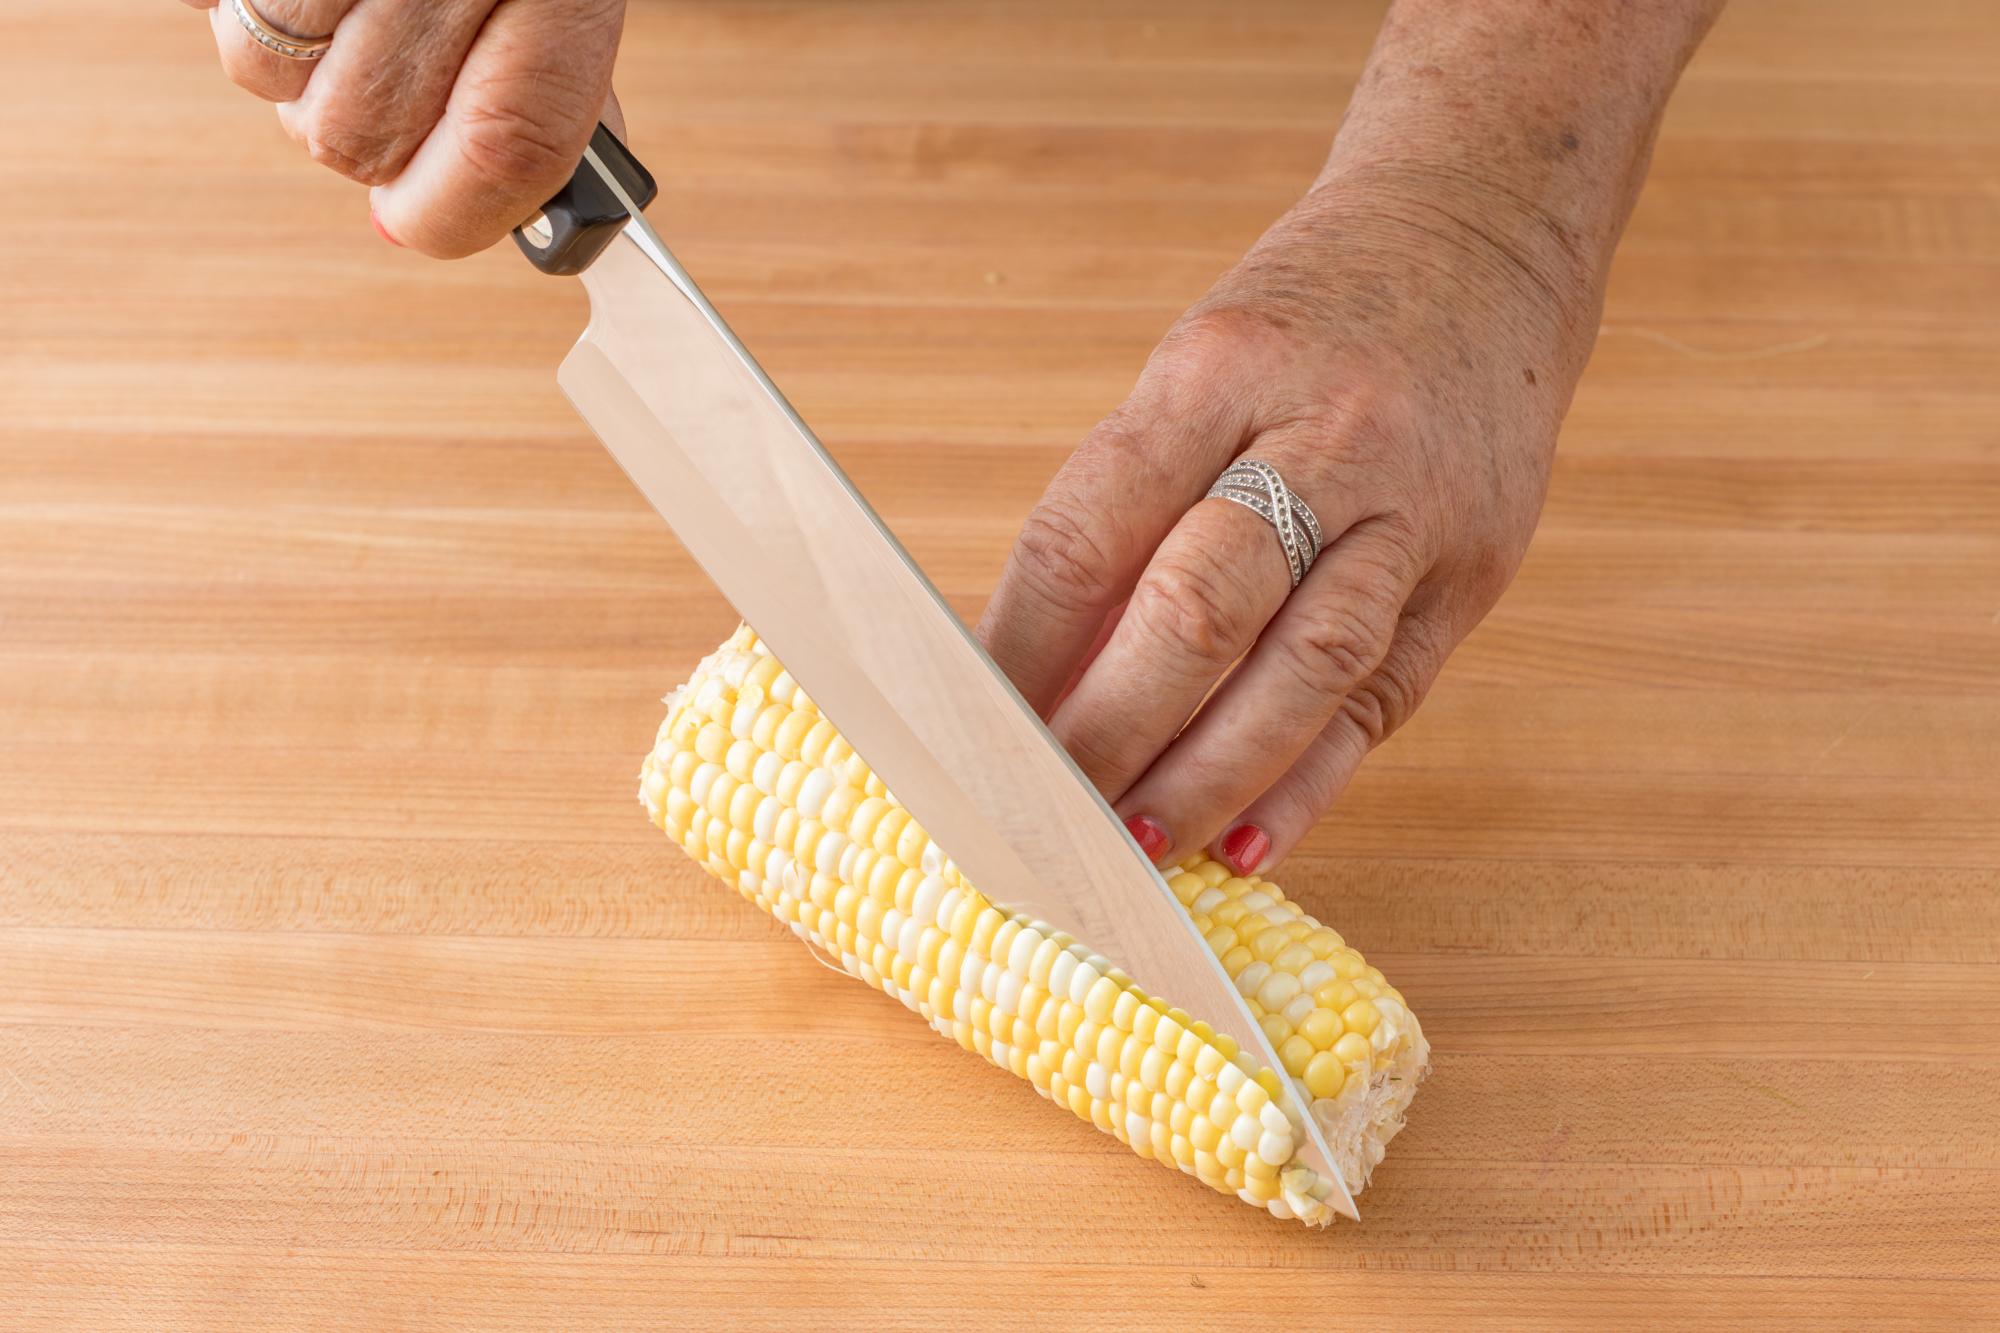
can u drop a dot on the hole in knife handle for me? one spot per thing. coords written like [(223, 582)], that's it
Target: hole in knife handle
[(585, 216)]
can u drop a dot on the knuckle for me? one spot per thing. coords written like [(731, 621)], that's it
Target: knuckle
[(1398, 534), (1205, 373), (506, 142), (1400, 550), (1213, 337), (328, 152), (1202, 357), (1371, 416), (1122, 455), (1061, 554), (1400, 694), (1334, 646), (1382, 703), (1369, 712), (1393, 692), (1114, 444), (1196, 608), (336, 142)]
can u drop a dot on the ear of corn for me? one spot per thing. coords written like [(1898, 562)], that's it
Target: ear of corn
[(760, 789)]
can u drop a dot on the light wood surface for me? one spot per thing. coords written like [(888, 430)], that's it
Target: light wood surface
[(343, 984)]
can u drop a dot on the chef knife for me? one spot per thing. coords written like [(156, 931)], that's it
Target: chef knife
[(767, 513)]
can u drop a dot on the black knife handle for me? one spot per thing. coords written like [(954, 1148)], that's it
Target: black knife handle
[(574, 227)]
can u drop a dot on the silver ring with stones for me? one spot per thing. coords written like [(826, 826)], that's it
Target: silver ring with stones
[(1256, 485)]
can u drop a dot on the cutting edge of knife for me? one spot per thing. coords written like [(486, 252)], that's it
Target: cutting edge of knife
[(638, 232)]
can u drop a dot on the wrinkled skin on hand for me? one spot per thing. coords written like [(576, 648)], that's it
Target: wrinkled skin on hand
[(1406, 372), (464, 116)]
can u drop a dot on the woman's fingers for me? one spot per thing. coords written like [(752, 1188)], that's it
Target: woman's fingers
[(1205, 596), (1272, 824), (1082, 548), (530, 91), (1200, 603), (1332, 634), (465, 115), (383, 85), (255, 68), (1208, 593)]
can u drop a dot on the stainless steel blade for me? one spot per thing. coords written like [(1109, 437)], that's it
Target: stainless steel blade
[(757, 501)]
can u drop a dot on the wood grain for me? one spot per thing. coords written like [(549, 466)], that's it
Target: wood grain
[(343, 985)]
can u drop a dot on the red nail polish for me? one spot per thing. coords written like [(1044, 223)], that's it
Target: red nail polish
[(1152, 838), (1245, 847), (381, 230)]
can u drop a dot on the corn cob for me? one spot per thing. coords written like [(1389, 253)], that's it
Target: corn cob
[(760, 789)]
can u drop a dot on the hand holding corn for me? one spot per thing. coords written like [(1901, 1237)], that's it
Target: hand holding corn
[(1400, 348)]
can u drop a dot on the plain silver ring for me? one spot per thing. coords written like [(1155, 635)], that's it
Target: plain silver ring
[(275, 39), (1256, 485)]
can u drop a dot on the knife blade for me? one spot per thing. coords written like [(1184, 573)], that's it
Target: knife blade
[(768, 514)]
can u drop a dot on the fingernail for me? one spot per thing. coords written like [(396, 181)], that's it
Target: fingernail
[(381, 230), (1245, 848), (1152, 838)]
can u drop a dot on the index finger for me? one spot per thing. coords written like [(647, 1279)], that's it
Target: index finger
[(1084, 545)]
